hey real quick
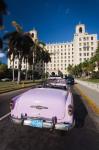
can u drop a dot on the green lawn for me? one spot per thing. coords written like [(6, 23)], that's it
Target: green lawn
[(90, 80), (10, 86)]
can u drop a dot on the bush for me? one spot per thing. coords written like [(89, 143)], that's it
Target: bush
[(95, 75)]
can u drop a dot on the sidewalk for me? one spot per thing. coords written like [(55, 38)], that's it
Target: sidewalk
[(94, 86), (90, 94)]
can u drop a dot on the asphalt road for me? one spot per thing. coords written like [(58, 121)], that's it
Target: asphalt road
[(84, 136)]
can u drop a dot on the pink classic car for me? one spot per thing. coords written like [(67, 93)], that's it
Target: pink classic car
[(44, 107)]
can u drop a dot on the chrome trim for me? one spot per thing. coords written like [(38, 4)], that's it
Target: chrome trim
[(39, 107), (58, 126)]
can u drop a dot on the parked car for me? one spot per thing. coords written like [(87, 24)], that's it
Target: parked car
[(44, 108), (70, 80), (57, 83), (5, 79)]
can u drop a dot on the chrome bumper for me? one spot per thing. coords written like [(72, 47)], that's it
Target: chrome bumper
[(49, 125)]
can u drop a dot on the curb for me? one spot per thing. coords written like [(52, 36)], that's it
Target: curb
[(89, 101)]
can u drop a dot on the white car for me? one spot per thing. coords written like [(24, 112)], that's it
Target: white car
[(57, 82)]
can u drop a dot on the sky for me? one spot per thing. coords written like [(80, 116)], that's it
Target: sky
[(55, 20)]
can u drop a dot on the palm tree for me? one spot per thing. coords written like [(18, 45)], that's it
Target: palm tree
[(19, 46), (10, 49), (70, 68), (23, 45), (95, 58), (46, 58)]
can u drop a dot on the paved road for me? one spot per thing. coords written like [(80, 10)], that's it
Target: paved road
[(84, 136)]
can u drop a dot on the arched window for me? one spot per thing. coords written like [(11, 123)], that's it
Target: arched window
[(80, 30), (32, 34)]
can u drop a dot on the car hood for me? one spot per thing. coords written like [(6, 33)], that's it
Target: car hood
[(42, 102)]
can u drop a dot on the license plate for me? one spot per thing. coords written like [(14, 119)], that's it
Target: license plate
[(37, 123)]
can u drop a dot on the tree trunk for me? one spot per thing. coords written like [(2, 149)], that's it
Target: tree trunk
[(13, 72), (33, 68), (19, 70), (45, 71), (26, 73)]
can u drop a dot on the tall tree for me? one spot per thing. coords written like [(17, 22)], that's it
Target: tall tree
[(95, 58)]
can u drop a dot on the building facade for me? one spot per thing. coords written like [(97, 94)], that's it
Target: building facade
[(81, 48)]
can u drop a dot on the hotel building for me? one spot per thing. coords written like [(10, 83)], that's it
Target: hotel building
[(81, 48)]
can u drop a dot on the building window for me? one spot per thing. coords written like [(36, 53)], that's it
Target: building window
[(91, 48), (87, 38), (87, 48), (91, 54), (91, 37), (84, 48), (80, 30), (87, 54), (88, 43), (80, 44), (32, 35), (80, 54), (84, 44), (84, 39), (80, 59), (84, 54), (91, 43)]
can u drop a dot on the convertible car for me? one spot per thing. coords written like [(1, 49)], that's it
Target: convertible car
[(44, 107)]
